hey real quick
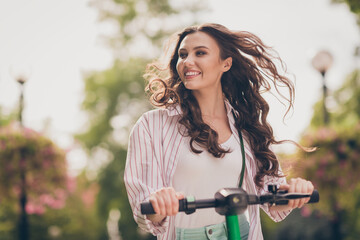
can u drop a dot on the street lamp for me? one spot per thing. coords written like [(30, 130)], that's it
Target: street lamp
[(322, 61), (21, 75)]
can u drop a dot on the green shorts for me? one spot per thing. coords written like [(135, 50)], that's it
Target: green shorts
[(212, 232)]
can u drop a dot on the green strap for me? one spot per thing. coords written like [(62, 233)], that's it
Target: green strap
[(242, 153), (243, 159)]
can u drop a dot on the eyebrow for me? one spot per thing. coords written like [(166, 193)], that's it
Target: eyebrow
[(197, 47)]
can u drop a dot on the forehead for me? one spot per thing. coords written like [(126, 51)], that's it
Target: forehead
[(197, 39)]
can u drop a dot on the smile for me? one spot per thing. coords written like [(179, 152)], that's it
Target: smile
[(191, 74)]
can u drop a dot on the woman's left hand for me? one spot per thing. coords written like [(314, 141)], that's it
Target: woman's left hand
[(298, 185)]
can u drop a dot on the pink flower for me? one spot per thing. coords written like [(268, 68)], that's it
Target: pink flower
[(57, 204), (305, 211), (46, 199), (320, 172), (71, 184), (32, 208)]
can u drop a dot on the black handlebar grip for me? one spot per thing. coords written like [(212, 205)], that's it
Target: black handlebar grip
[(147, 208), (315, 197)]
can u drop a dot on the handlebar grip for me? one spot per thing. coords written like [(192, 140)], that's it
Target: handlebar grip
[(147, 208), (315, 197)]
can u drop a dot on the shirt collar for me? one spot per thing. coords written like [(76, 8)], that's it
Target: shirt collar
[(176, 110)]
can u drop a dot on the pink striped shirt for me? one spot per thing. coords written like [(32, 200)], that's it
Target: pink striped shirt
[(152, 157)]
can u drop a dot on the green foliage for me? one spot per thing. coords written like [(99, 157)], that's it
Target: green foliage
[(150, 20), (114, 92), (334, 170), (6, 119), (114, 99), (346, 110), (347, 98), (78, 220), (334, 167)]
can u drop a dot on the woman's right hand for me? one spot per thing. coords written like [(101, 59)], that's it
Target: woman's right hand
[(165, 202)]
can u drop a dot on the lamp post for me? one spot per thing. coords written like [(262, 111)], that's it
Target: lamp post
[(21, 80), (21, 75), (322, 61)]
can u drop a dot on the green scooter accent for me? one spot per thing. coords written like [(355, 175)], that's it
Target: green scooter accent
[(232, 224)]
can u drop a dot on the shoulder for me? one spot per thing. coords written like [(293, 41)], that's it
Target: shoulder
[(158, 117), (160, 113)]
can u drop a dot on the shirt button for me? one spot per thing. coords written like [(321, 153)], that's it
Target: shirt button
[(210, 231)]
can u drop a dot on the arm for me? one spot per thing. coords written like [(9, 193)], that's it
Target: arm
[(143, 175)]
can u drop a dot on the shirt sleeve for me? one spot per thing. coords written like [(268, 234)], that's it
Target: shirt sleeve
[(275, 215), (143, 174)]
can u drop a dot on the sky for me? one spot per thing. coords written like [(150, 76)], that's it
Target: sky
[(54, 42)]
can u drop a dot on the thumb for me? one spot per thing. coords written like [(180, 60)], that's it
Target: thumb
[(284, 187)]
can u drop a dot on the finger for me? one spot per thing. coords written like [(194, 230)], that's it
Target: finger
[(297, 189), (310, 189), (167, 198), (291, 190), (284, 187), (154, 204), (174, 203), (162, 205), (303, 189)]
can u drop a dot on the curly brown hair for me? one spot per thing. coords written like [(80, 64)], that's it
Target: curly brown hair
[(253, 72)]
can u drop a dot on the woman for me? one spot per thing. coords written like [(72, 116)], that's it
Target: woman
[(210, 99)]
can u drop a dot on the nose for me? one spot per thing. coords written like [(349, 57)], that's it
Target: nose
[(189, 61)]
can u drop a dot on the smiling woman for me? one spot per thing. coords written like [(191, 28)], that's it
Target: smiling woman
[(212, 109)]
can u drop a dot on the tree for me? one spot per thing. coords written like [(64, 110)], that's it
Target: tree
[(32, 173), (346, 110), (334, 166), (116, 99), (334, 170)]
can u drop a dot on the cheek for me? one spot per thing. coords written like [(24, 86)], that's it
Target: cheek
[(179, 67)]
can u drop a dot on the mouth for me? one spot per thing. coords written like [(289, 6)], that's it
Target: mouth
[(191, 74)]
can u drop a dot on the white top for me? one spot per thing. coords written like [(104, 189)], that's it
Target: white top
[(201, 175)]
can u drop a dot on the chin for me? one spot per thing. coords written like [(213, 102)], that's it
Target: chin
[(191, 87)]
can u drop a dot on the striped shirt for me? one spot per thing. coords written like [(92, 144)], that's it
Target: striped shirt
[(152, 156)]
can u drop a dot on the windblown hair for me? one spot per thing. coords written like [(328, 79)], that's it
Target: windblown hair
[(253, 72)]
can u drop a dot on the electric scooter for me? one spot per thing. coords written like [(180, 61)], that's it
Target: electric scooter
[(231, 202)]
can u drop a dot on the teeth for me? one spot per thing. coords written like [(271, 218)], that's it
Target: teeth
[(191, 73)]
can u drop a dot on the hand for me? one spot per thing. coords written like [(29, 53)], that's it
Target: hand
[(298, 185), (165, 202)]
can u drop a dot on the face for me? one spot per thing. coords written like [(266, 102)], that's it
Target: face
[(200, 66)]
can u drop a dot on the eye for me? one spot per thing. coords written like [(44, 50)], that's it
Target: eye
[(200, 53), (182, 55)]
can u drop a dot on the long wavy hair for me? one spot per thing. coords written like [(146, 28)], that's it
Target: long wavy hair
[(253, 72)]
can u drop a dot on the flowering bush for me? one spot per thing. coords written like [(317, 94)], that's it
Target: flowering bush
[(29, 157), (333, 168)]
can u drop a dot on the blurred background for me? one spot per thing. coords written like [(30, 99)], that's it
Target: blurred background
[(71, 88)]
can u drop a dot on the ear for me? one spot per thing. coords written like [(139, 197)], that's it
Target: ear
[(227, 64)]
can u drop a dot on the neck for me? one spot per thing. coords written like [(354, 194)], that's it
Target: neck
[(211, 104)]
